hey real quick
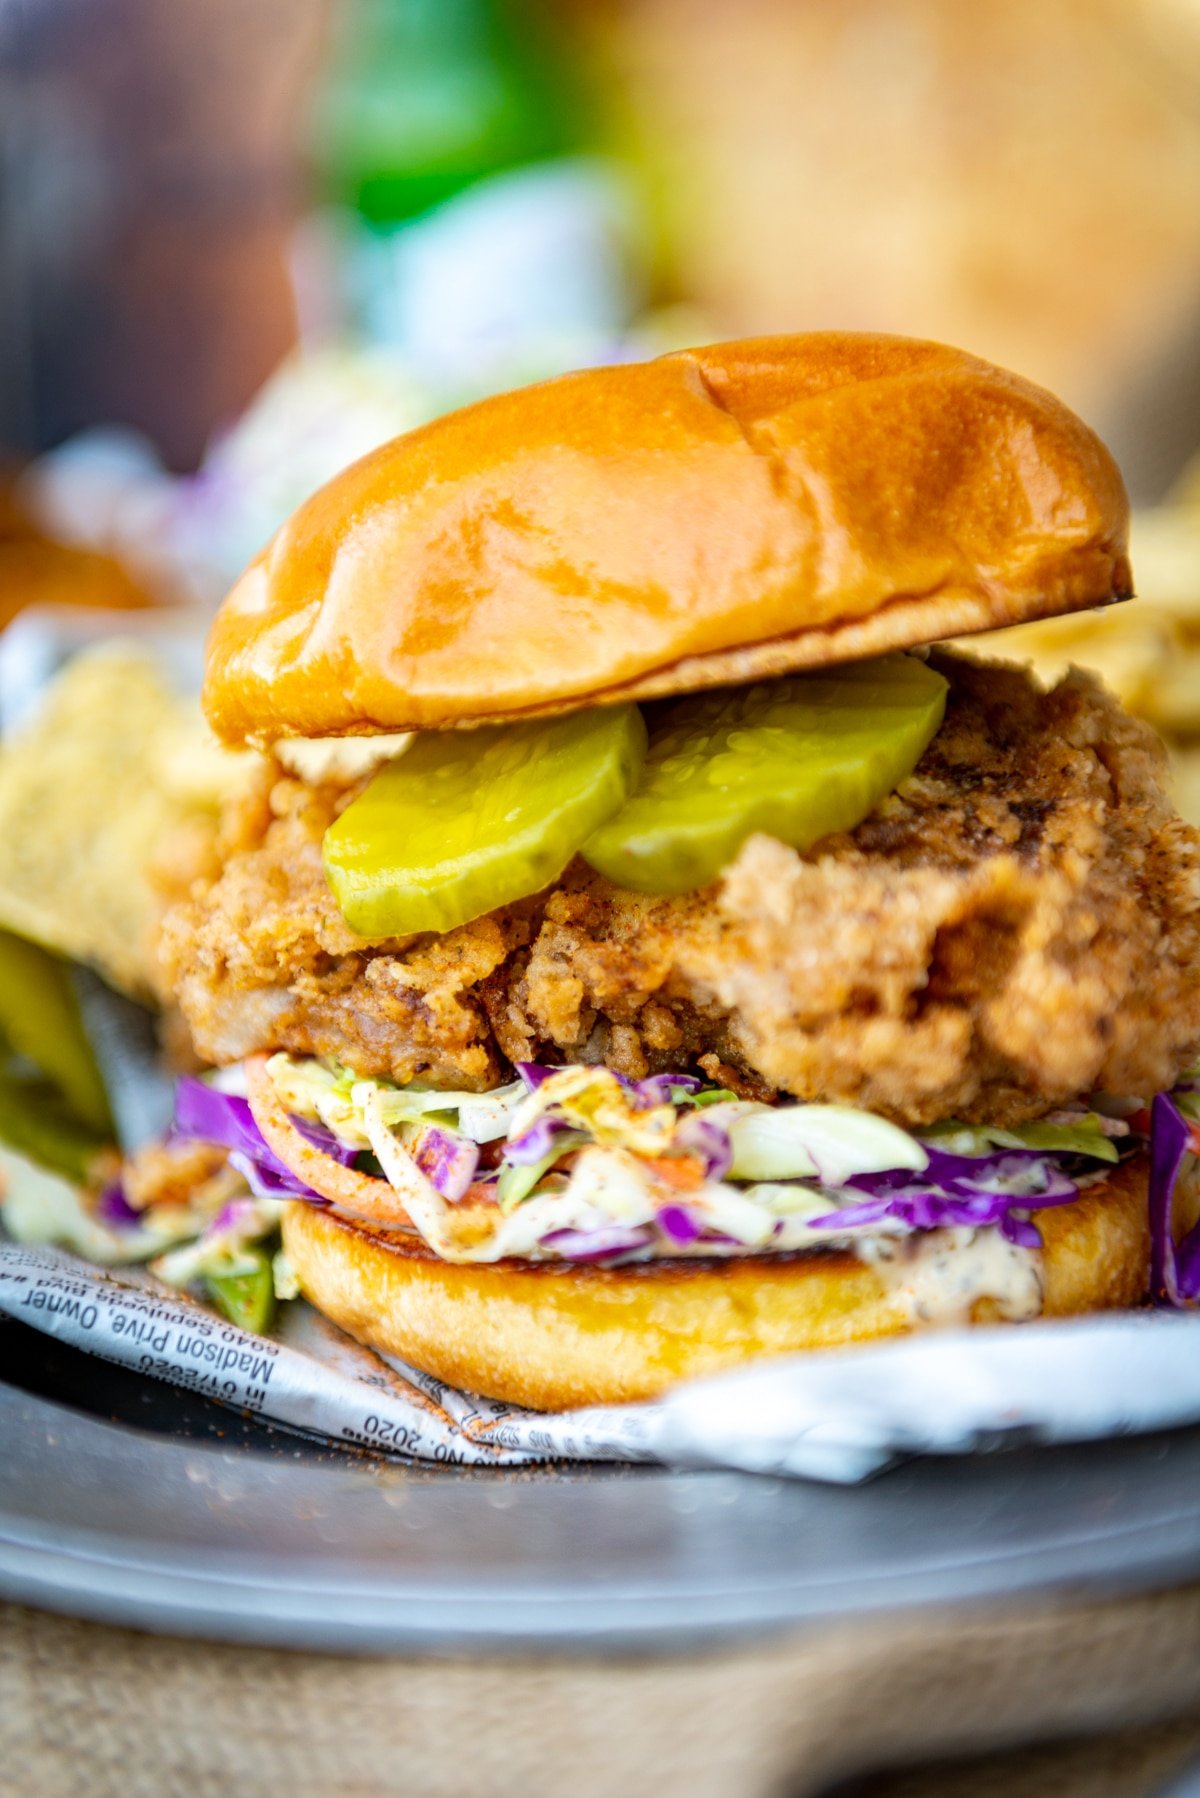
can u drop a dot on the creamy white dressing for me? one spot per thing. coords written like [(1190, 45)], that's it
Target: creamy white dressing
[(940, 1275), (342, 759)]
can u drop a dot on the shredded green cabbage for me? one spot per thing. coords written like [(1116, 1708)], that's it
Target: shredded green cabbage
[(830, 1143), (1084, 1136)]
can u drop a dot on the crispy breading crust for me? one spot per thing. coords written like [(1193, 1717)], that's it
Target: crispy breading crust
[(1018, 924)]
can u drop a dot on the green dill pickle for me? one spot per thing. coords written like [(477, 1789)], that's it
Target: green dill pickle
[(38, 1123), (40, 1020), (798, 758), (467, 820)]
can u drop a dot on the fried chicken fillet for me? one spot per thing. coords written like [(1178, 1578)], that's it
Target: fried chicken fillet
[(1018, 924)]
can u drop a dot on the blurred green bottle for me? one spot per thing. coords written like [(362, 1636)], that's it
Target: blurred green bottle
[(467, 225), (424, 98)]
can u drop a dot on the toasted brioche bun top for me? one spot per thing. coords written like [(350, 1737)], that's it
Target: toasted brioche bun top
[(713, 516)]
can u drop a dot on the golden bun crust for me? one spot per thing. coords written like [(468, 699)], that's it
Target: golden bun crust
[(713, 516), (553, 1337)]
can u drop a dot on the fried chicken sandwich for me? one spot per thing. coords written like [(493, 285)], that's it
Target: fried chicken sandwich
[(680, 961)]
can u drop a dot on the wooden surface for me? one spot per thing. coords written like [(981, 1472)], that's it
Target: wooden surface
[(115, 1712)]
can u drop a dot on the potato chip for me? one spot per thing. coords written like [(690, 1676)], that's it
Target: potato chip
[(113, 771), (1128, 646), (1148, 651)]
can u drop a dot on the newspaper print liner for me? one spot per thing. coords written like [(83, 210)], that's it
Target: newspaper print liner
[(840, 1416), (309, 1375)]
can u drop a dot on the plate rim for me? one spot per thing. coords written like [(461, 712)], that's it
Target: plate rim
[(307, 1604)]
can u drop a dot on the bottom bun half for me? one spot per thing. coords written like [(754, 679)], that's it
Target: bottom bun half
[(552, 1336)]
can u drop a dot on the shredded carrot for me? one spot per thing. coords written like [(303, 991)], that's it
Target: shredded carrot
[(362, 1194), (683, 1173)]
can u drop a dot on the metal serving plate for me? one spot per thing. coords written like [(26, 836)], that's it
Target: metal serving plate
[(126, 1501)]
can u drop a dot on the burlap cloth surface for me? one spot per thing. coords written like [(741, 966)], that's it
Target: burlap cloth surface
[(85, 1709)]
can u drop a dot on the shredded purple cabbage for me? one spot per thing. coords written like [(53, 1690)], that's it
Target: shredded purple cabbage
[(925, 1210), (236, 1212), (534, 1144), (709, 1140), (1174, 1267), (265, 1183), (598, 1245), (947, 1172), (325, 1140), (114, 1209), (203, 1114), (678, 1223), (1187, 1266), (656, 1089), (447, 1161), (956, 1190), (534, 1072), (1021, 1230)]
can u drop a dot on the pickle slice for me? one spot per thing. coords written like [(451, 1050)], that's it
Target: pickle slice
[(40, 1020), (468, 820), (798, 758), (37, 1122)]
